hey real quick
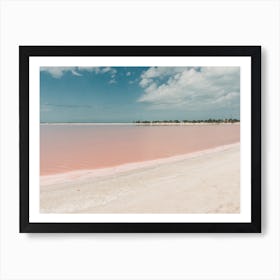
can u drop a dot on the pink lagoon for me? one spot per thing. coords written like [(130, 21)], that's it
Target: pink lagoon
[(72, 147)]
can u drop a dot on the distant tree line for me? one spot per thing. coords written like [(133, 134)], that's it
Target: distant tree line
[(191, 121)]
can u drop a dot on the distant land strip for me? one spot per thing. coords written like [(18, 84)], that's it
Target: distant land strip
[(211, 121), (156, 122)]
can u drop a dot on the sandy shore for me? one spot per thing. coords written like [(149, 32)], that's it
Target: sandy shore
[(202, 182)]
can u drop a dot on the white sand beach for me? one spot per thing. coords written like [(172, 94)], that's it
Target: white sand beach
[(201, 182)]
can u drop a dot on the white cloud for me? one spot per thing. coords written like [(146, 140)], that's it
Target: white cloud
[(75, 73), (109, 70), (105, 69), (145, 82), (190, 86), (58, 72), (89, 69), (112, 81)]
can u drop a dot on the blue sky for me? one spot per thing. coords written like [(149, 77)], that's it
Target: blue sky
[(126, 94)]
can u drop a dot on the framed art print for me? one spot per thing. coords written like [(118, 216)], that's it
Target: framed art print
[(140, 138)]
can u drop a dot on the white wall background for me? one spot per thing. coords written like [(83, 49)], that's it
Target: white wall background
[(147, 256)]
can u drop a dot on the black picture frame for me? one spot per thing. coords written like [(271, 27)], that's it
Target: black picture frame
[(25, 52)]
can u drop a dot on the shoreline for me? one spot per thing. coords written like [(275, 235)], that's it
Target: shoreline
[(204, 182), (85, 174)]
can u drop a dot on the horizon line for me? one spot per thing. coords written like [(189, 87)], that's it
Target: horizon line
[(158, 121)]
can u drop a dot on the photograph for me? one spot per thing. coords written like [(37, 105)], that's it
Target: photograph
[(139, 139)]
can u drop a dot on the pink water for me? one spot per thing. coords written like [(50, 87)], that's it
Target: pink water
[(66, 148)]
